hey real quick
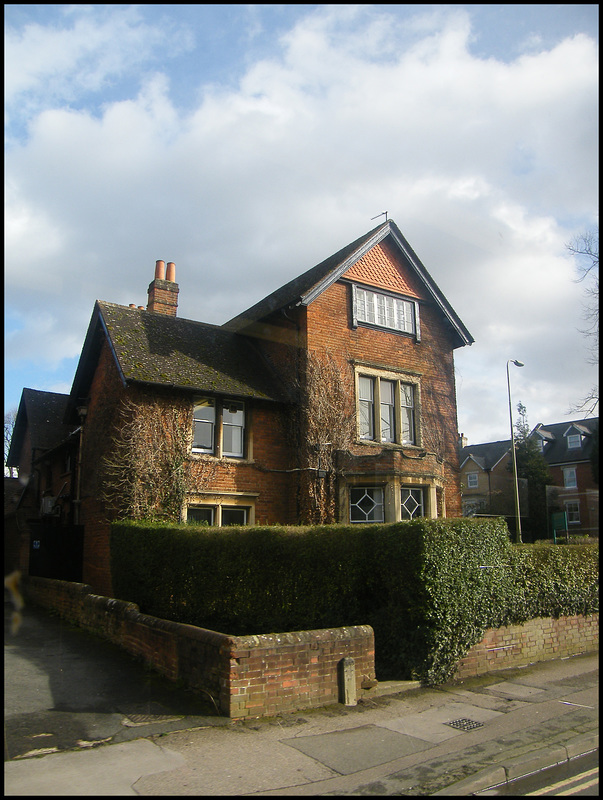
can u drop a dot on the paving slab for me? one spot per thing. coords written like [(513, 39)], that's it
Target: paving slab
[(434, 725), (109, 770), (358, 748)]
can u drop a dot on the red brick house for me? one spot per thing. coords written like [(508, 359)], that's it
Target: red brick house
[(567, 448), (41, 535), (333, 399)]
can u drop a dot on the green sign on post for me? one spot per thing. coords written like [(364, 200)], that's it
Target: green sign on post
[(559, 523)]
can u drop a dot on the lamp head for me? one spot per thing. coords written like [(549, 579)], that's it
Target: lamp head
[(517, 363)]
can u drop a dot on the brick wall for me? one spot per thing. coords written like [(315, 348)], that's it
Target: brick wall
[(535, 640), (247, 676), (329, 326), (280, 672), (255, 676)]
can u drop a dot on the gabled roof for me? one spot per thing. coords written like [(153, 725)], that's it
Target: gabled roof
[(41, 413), (556, 450), (308, 286), (486, 455), (161, 350)]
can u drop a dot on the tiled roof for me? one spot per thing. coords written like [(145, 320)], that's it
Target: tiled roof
[(556, 450), (41, 413), (159, 349), (486, 455), (310, 284)]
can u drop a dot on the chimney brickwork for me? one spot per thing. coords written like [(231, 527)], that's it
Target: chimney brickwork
[(163, 290)]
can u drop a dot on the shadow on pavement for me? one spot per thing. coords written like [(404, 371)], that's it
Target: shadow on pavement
[(66, 688)]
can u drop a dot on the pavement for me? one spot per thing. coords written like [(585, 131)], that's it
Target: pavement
[(84, 718)]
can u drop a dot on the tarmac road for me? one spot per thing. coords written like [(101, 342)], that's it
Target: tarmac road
[(65, 688), (83, 718)]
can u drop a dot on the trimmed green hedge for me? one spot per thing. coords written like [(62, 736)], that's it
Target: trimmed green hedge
[(429, 588)]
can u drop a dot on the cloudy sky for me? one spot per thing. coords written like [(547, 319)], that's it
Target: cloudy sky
[(247, 143)]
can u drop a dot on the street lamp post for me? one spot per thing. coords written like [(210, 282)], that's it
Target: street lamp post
[(515, 481)]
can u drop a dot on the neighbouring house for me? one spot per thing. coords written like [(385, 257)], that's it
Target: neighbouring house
[(331, 400), (41, 535), (567, 447)]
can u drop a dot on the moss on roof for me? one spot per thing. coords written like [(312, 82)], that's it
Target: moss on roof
[(159, 349)]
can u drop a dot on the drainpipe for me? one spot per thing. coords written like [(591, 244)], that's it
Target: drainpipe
[(82, 411)]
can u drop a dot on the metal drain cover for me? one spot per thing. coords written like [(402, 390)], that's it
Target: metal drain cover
[(465, 724)]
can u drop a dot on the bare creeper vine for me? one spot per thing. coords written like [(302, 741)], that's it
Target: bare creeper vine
[(326, 425), (148, 470)]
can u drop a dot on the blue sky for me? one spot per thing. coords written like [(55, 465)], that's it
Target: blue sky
[(246, 143)]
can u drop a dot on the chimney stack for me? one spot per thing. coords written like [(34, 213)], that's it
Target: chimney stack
[(163, 290)]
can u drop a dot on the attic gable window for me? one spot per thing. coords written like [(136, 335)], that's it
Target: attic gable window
[(385, 310)]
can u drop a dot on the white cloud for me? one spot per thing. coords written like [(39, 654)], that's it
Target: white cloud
[(48, 65), (487, 167)]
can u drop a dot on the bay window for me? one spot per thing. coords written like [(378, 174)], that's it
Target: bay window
[(366, 504)]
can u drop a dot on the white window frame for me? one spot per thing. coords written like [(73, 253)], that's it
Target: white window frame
[(472, 480), (406, 417), (206, 420), (218, 505), (573, 515), (376, 494), (570, 478), (223, 409), (574, 441), (417, 495), (366, 407), (233, 409), (385, 310), (192, 507)]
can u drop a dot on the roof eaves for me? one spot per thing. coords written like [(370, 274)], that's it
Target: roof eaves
[(381, 233), (415, 262), (107, 333), (390, 228)]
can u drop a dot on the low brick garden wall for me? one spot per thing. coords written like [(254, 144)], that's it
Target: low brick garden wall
[(263, 675), (536, 640), (247, 676)]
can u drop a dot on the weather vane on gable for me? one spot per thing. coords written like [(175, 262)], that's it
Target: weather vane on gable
[(380, 215)]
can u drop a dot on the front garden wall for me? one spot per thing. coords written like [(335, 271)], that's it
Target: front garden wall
[(247, 676), (255, 676), (538, 639)]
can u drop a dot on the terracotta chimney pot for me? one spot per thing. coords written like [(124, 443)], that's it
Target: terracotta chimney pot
[(171, 272), (160, 270)]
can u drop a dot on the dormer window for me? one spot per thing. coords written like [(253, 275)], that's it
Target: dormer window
[(385, 310), (574, 441)]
